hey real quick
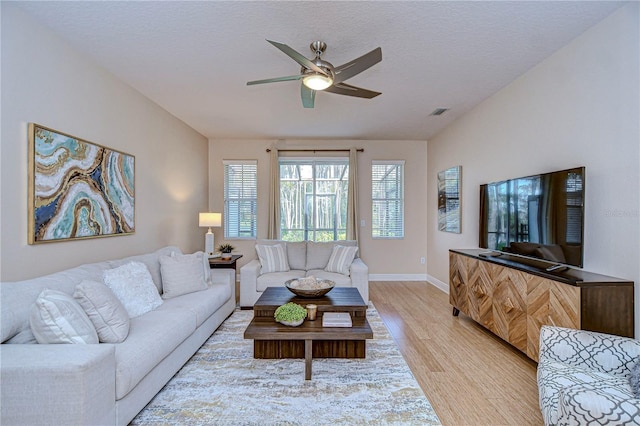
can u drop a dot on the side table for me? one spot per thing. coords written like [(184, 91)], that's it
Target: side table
[(215, 263)]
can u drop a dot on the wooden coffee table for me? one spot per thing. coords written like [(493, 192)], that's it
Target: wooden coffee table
[(272, 340)]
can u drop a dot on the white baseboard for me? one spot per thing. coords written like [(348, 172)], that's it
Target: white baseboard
[(439, 284), (397, 277), (411, 277)]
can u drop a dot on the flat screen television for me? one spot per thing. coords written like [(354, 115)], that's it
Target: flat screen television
[(540, 216)]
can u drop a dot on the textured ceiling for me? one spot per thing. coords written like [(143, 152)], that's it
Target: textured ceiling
[(194, 58)]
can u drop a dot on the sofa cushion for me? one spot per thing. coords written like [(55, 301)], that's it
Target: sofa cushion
[(152, 337), (57, 318), (107, 314), (318, 254), (277, 279), (182, 274), (341, 259), (273, 258), (634, 379), (202, 303), (297, 254), (340, 279), (133, 286)]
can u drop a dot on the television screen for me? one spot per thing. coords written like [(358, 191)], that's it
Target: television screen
[(539, 216)]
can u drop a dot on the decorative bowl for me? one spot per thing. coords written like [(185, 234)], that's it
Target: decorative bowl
[(292, 323), (327, 285)]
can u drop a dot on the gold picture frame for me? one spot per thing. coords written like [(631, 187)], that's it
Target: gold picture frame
[(77, 189)]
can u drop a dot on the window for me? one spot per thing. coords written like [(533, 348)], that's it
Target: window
[(240, 198), (387, 197), (313, 199)]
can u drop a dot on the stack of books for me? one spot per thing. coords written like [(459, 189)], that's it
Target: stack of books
[(336, 319)]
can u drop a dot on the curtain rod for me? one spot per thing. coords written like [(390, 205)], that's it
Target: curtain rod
[(316, 150)]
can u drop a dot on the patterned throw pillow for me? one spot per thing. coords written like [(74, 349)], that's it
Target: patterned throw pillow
[(634, 379), (133, 286), (341, 259), (273, 258), (57, 318), (105, 311), (182, 274)]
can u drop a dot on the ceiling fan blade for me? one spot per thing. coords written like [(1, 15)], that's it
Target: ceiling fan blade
[(308, 96), (358, 65), (306, 63), (349, 90), (276, 79)]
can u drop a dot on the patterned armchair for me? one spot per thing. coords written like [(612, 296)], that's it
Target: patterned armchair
[(583, 377)]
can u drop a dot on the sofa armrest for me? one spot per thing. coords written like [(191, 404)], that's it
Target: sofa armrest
[(224, 276), (604, 353), (249, 274), (58, 384), (359, 272)]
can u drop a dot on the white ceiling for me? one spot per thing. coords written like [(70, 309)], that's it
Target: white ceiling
[(194, 58)]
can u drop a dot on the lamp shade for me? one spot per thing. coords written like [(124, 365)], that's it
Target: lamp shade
[(210, 219)]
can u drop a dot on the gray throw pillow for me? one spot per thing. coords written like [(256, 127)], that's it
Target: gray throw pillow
[(105, 311), (182, 274)]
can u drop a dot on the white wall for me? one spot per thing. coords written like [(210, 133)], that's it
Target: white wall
[(45, 81), (579, 107), (387, 259)]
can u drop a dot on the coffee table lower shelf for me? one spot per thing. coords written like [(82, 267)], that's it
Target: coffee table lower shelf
[(310, 340)]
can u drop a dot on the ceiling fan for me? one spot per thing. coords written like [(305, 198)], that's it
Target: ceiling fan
[(317, 74)]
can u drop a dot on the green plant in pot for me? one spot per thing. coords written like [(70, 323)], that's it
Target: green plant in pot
[(290, 314), (225, 250)]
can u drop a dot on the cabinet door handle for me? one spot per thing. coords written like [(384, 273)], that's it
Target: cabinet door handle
[(478, 291), (508, 305)]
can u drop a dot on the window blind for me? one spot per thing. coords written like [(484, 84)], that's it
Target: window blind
[(240, 198), (387, 196)]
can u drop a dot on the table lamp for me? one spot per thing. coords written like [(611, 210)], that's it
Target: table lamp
[(209, 220)]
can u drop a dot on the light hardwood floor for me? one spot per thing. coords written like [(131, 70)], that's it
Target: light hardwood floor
[(470, 376)]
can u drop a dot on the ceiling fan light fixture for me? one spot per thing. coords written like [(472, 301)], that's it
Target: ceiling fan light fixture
[(317, 81)]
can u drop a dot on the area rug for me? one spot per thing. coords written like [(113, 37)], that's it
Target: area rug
[(223, 385)]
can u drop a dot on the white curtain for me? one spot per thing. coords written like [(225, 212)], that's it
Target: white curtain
[(273, 229), (352, 202)]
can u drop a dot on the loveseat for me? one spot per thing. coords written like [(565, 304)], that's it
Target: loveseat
[(586, 378), (105, 383), (323, 260)]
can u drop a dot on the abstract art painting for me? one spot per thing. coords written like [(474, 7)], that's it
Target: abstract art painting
[(77, 189)]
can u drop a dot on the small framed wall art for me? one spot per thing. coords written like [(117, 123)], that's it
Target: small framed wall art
[(77, 189), (449, 186)]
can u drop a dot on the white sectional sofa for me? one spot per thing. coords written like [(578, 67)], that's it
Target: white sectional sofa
[(584, 378), (106, 383), (304, 258)]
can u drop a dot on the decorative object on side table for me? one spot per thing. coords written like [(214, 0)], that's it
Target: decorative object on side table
[(225, 250), (290, 314), (309, 286), (207, 220)]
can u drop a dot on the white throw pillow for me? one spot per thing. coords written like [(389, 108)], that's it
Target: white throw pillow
[(57, 318), (182, 274), (133, 286), (273, 258), (106, 312), (341, 259)]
